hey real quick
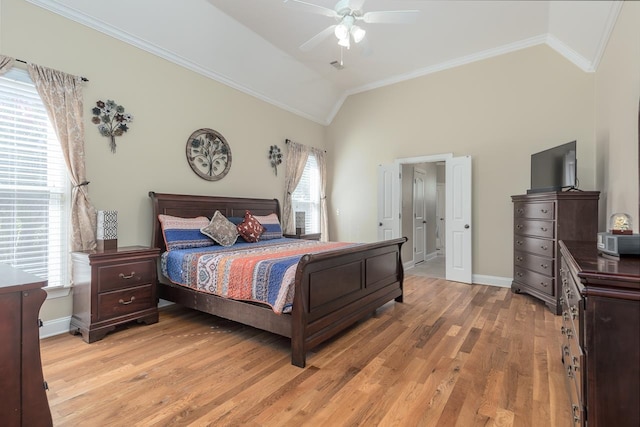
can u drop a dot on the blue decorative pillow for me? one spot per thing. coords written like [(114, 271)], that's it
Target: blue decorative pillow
[(182, 233), (272, 227)]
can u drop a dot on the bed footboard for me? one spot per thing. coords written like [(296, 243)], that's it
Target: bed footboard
[(336, 289)]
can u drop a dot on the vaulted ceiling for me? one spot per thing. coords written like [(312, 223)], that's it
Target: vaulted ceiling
[(254, 45)]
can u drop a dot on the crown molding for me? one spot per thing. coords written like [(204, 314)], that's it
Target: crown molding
[(614, 12), (573, 56)]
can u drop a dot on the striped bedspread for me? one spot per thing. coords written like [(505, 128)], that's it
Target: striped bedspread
[(260, 272)]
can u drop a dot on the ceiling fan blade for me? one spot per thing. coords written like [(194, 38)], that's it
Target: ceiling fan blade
[(391, 17), (313, 8), (315, 40)]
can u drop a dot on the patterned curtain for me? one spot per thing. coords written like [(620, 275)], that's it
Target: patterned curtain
[(296, 160), (6, 63), (62, 96), (322, 167)]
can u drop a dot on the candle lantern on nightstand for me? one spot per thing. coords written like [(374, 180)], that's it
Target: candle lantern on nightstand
[(107, 230), (300, 223)]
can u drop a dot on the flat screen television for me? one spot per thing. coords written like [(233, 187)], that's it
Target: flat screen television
[(554, 169)]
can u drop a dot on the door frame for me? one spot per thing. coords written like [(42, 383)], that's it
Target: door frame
[(425, 159)]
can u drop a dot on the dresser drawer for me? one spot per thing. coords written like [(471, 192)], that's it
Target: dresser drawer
[(541, 210), (534, 228), (119, 303), (535, 263), (535, 245), (535, 280), (125, 275)]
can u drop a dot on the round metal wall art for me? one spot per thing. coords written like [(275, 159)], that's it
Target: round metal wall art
[(208, 154)]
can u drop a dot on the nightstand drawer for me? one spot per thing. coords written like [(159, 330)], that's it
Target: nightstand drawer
[(125, 275), (119, 303)]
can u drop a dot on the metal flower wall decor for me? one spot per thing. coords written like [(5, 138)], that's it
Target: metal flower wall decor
[(275, 157), (111, 120)]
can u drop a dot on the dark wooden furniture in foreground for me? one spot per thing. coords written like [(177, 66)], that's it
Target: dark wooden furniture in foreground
[(113, 287), (23, 395), (601, 335), (540, 220), (333, 290)]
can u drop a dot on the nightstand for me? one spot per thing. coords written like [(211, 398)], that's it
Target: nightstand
[(310, 236), (113, 287)]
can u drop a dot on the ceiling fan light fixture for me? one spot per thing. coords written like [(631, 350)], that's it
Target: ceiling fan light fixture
[(357, 33), (342, 31), (345, 42)]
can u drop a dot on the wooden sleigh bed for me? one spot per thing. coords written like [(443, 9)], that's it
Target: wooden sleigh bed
[(333, 290)]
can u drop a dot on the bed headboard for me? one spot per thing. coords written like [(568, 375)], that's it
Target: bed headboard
[(187, 206)]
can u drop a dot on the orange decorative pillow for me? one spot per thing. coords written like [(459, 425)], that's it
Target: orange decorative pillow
[(250, 229)]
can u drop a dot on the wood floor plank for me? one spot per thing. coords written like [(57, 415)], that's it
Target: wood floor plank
[(451, 355)]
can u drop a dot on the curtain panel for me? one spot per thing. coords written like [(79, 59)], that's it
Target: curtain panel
[(322, 167), (295, 162), (61, 94)]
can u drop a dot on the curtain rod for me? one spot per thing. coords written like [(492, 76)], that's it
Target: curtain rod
[(84, 79), (286, 141)]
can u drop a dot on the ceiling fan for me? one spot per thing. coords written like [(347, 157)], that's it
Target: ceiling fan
[(348, 14)]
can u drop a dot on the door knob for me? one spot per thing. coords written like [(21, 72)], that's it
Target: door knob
[(380, 224), (466, 226)]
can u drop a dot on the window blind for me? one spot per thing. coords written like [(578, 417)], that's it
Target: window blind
[(34, 187), (306, 197)]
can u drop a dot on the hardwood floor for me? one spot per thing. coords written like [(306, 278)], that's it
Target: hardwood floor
[(450, 355)]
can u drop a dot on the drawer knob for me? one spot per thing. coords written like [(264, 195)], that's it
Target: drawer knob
[(543, 284), (545, 266), (123, 302), (520, 258), (543, 228), (520, 210), (130, 276), (544, 247), (519, 242), (544, 211), (519, 226), (519, 274)]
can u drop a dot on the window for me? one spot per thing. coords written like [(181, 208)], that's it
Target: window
[(34, 186), (306, 197)]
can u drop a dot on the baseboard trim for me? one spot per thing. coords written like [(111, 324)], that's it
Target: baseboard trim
[(481, 279), (54, 327)]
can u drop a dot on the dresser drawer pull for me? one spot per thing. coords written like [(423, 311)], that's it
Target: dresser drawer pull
[(544, 248), (544, 228), (543, 284), (130, 276), (521, 210), (519, 274), (519, 242), (123, 302), (544, 211), (520, 259), (545, 266), (519, 226)]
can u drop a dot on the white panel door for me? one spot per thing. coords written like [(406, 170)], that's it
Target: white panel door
[(458, 219), (419, 216), (388, 197)]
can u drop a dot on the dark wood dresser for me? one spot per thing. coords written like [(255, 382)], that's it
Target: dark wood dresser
[(113, 287), (23, 395), (601, 335), (540, 220)]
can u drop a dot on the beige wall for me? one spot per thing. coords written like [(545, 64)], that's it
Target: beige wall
[(168, 103), (499, 111), (617, 97)]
